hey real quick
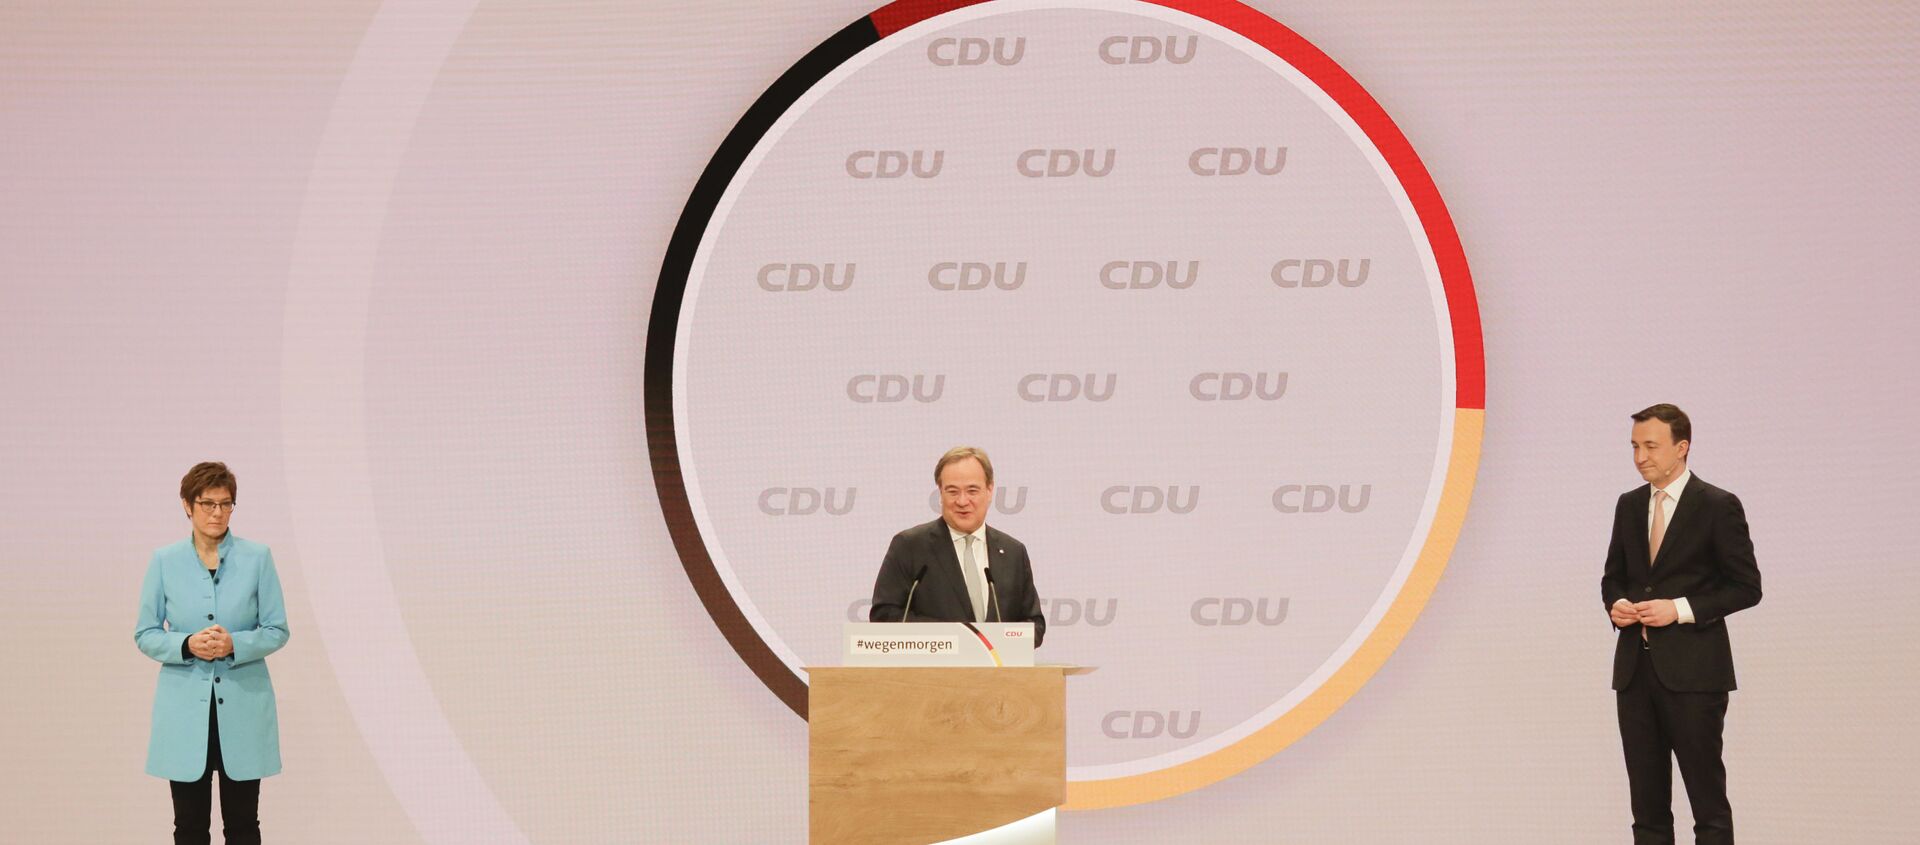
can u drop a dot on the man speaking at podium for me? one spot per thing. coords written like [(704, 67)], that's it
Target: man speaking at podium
[(956, 568)]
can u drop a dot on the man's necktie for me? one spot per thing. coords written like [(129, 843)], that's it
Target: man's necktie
[(1659, 531), (1654, 536), (975, 589)]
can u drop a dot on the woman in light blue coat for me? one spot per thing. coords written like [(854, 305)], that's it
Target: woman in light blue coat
[(210, 613)]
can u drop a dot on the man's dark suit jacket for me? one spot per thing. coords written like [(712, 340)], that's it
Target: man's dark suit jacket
[(1705, 557), (942, 595)]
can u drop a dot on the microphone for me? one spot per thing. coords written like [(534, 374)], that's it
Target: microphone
[(994, 593), (917, 575)]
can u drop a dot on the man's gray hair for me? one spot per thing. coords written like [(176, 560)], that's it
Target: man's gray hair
[(961, 453)]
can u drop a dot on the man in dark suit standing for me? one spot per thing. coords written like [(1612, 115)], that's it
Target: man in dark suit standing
[(1680, 561), (966, 571)]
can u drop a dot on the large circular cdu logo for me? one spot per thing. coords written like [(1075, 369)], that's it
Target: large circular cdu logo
[(1180, 276)]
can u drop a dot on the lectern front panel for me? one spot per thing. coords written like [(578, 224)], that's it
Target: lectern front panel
[(918, 755)]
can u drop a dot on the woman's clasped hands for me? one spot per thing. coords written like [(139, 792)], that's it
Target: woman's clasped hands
[(211, 643)]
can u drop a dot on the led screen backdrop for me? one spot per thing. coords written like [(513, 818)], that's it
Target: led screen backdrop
[(450, 285)]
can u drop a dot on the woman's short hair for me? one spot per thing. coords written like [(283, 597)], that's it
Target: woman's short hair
[(961, 453), (205, 476)]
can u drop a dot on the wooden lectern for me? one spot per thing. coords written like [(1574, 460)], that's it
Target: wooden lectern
[(909, 756)]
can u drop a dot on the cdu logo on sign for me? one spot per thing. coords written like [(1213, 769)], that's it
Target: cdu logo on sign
[(1062, 612), (1146, 49), (1141, 275), (1320, 272), (804, 277), (1122, 499), (1038, 163), (1065, 387), (1147, 724), (886, 388), (806, 501), (893, 164), (1236, 161), (969, 52), (976, 275), (1233, 387), (1232, 612), (1321, 498)]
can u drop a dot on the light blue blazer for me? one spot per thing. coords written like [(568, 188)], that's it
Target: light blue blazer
[(178, 598)]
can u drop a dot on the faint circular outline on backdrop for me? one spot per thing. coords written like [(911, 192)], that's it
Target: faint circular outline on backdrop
[(1441, 251), (335, 248)]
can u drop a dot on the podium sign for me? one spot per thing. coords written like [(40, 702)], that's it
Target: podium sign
[(904, 644)]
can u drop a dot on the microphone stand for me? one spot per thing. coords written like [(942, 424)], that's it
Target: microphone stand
[(993, 592), (905, 610)]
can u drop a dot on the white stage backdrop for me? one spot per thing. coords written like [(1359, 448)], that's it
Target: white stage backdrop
[(1304, 339)]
